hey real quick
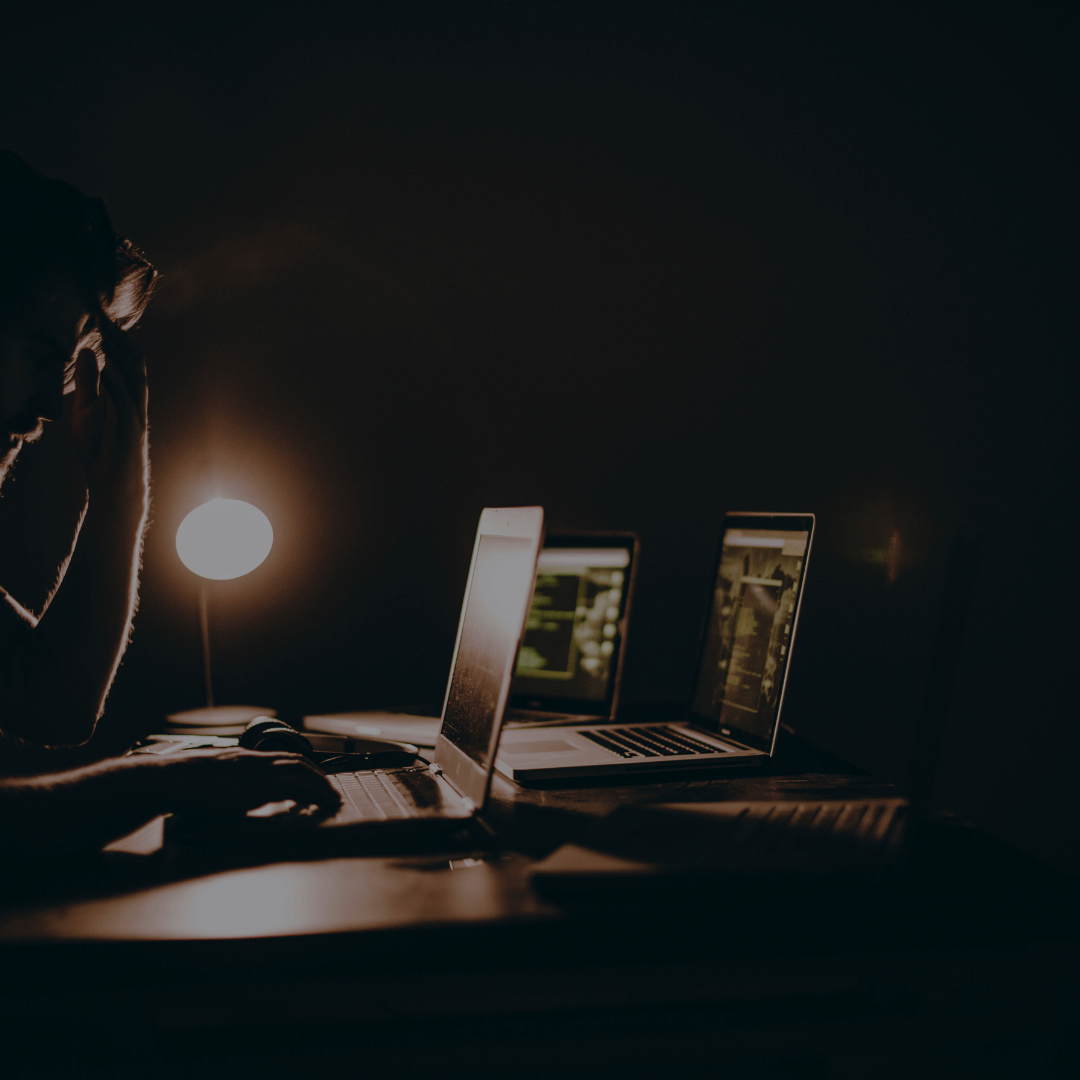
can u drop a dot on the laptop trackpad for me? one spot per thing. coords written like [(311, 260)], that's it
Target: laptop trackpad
[(548, 746)]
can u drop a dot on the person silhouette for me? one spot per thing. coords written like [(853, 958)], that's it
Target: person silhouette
[(71, 291)]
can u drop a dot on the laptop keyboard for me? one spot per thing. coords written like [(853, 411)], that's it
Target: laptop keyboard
[(649, 742), (375, 795)]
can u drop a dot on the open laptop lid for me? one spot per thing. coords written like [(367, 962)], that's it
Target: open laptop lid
[(750, 626), (489, 632), (571, 655)]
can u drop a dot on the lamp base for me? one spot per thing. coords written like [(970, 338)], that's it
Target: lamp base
[(215, 720)]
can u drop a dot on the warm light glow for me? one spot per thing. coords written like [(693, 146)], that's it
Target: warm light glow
[(224, 538)]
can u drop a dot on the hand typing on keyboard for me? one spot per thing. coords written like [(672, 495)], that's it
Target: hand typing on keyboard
[(242, 780), (88, 807)]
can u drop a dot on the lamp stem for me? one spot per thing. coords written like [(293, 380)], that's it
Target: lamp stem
[(204, 624)]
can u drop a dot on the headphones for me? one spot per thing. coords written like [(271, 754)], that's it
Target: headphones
[(267, 733)]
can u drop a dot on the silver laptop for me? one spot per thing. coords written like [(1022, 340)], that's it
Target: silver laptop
[(569, 667), (570, 663), (742, 671), (665, 849), (455, 785)]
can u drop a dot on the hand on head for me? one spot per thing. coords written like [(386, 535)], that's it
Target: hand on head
[(108, 413)]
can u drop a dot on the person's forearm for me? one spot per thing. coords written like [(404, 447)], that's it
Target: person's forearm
[(83, 809), (78, 642)]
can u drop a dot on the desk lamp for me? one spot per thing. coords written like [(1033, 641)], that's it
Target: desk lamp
[(222, 539)]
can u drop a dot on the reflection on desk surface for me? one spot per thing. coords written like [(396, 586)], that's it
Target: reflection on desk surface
[(320, 896)]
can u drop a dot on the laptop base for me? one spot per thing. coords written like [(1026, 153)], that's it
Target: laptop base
[(550, 753)]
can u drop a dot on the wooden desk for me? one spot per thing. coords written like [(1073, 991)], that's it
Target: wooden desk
[(191, 961), (146, 893)]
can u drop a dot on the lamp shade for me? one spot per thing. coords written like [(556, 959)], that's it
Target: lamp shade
[(224, 538)]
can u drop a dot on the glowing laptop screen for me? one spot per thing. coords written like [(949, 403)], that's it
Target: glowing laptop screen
[(750, 629)]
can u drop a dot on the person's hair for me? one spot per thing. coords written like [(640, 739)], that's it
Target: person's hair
[(49, 227)]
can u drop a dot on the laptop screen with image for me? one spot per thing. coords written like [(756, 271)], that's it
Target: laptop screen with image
[(751, 626), (573, 641)]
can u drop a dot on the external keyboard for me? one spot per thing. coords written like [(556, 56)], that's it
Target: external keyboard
[(656, 741), (765, 826), (677, 841)]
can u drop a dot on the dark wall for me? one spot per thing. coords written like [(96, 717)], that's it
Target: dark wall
[(637, 264)]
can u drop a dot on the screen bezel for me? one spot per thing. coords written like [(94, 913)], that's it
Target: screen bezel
[(609, 704), (471, 778), (752, 520)]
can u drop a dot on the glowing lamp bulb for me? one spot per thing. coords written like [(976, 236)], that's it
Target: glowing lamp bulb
[(224, 538)]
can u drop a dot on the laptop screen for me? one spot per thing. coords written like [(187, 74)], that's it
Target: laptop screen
[(490, 630), (572, 648), (751, 625)]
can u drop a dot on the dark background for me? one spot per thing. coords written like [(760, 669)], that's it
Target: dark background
[(637, 263)]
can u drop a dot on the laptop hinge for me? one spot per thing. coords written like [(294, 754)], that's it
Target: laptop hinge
[(727, 740), (436, 771)]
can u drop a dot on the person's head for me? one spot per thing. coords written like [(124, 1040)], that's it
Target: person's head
[(61, 264)]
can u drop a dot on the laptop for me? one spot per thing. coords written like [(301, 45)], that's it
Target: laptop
[(454, 785), (745, 655), (570, 664), (658, 849)]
